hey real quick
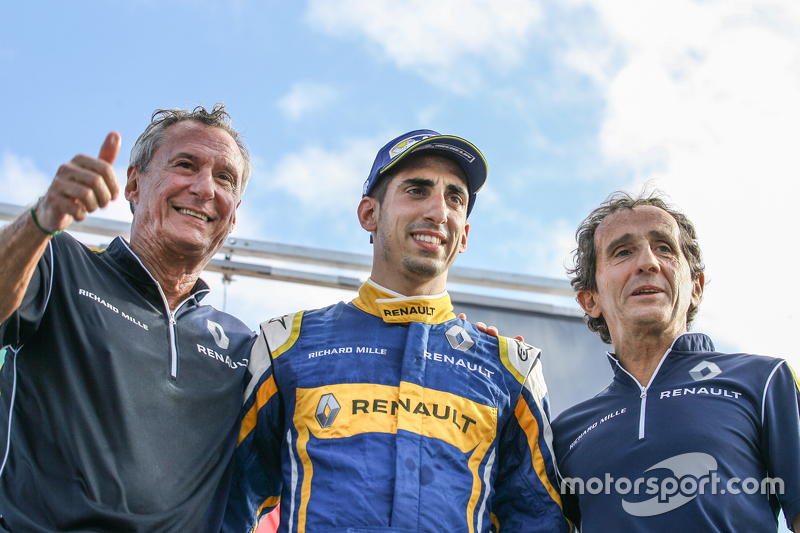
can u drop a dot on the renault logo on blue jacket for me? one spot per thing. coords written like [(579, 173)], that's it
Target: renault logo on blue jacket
[(327, 409)]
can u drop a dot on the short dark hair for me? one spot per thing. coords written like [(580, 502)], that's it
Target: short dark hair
[(583, 274), (155, 135), (414, 160)]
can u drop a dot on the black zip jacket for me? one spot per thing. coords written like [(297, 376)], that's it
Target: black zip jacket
[(115, 414)]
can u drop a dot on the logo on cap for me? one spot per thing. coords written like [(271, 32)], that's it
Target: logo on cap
[(405, 144)]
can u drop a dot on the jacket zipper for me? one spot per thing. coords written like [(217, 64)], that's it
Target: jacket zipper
[(173, 346), (643, 396), (643, 390), (173, 343)]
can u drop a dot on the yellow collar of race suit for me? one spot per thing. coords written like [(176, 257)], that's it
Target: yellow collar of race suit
[(396, 308)]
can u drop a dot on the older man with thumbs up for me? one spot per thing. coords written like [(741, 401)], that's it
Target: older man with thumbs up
[(119, 394)]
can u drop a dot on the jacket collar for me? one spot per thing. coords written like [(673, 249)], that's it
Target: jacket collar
[(396, 308), (683, 345), (132, 267), (693, 342)]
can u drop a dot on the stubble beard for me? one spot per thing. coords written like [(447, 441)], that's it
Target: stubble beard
[(422, 268), (419, 268)]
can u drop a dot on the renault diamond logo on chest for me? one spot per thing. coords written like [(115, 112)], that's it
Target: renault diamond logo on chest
[(705, 370), (327, 409), (218, 333), (459, 339)]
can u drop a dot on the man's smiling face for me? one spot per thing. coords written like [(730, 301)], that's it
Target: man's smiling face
[(421, 223), (187, 199)]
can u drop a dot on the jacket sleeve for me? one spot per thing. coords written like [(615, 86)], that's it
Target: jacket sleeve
[(24, 322), (526, 494), (780, 440), (257, 479)]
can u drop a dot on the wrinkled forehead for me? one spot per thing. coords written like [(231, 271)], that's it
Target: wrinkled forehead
[(192, 136), (640, 221)]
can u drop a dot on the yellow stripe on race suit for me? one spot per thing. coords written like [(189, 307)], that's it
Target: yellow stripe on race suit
[(296, 321), (308, 473), (273, 332), (269, 502), (265, 392), (495, 523), (530, 426), (371, 408), (796, 381), (503, 345)]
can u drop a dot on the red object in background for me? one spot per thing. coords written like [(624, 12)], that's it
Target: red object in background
[(270, 522)]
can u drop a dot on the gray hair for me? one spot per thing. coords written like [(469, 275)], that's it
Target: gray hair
[(155, 135), (583, 274)]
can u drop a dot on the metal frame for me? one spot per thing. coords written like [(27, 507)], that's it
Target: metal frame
[(235, 246)]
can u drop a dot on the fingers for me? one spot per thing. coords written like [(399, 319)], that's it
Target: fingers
[(491, 330), (462, 316), (108, 153), (80, 187), (520, 338), (110, 149)]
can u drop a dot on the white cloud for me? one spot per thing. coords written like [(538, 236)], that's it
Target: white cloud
[(325, 179), (547, 244), (439, 40), (304, 98), (20, 180), (706, 105)]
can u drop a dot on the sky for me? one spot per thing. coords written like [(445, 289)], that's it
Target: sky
[(568, 100)]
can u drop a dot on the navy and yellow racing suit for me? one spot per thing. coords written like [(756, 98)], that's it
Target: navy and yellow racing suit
[(389, 414)]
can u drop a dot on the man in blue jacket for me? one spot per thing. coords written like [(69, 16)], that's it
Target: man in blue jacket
[(684, 437), (120, 393), (388, 413)]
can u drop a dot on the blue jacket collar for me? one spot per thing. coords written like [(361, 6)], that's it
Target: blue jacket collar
[(683, 345)]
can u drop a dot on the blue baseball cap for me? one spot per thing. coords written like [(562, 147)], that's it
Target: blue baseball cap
[(459, 150)]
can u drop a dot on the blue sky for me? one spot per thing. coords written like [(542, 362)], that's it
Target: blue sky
[(568, 101)]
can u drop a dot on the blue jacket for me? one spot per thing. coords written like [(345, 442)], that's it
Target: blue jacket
[(691, 450), (389, 414)]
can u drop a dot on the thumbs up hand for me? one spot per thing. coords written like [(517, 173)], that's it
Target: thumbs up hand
[(79, 187)]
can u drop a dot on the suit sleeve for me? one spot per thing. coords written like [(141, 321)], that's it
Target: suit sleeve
[(256, 480), (780, 439), (526, 492)]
